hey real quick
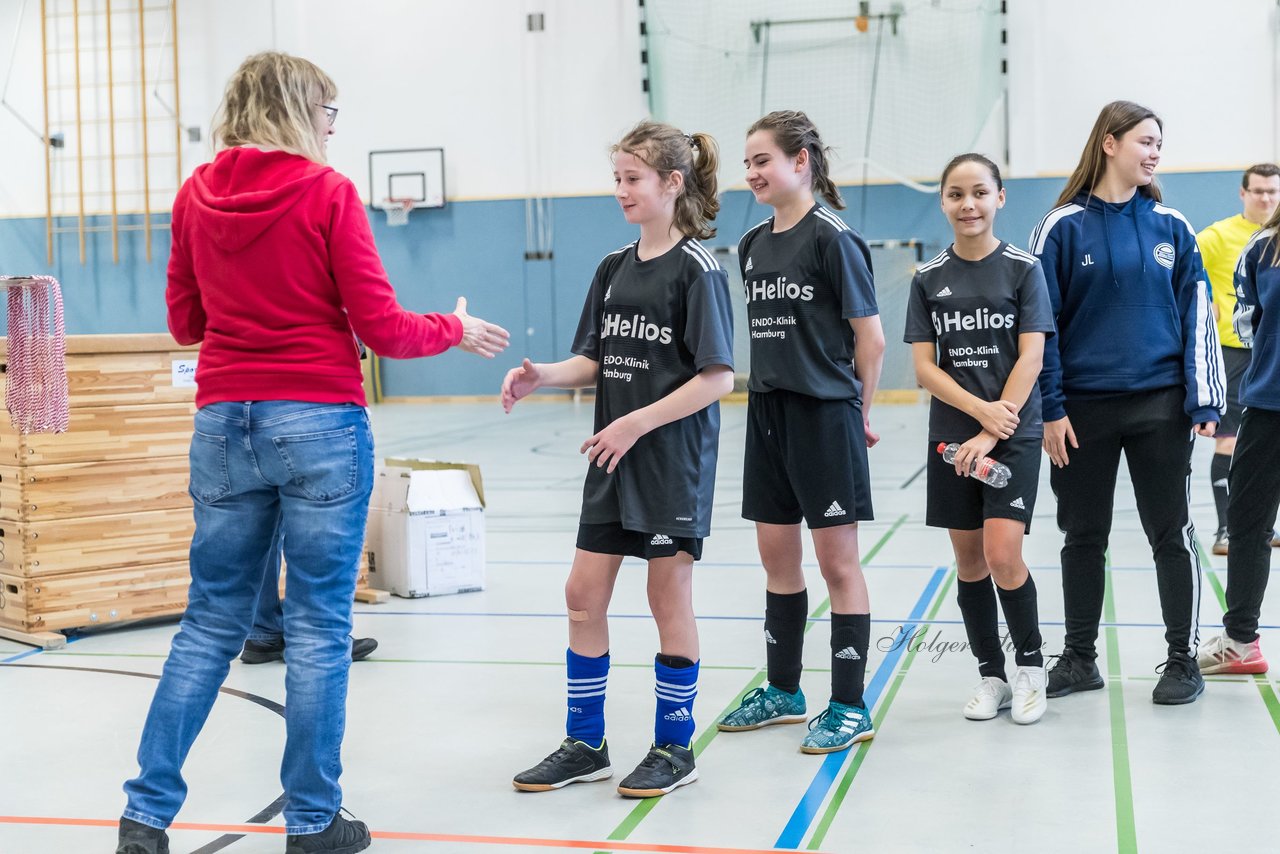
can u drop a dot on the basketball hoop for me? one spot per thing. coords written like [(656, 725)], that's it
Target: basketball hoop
[(36, 383), (397, 211)]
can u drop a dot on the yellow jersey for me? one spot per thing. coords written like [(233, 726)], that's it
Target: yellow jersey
[(1220, 246)]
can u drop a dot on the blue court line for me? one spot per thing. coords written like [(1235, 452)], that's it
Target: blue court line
[(825, 778), (30, 653)]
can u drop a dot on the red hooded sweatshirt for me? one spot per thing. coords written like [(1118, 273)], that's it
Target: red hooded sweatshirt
[(274, 269)]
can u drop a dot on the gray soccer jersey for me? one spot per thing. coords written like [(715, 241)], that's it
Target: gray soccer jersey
[(803, 285), (974, 312), (652, 326)]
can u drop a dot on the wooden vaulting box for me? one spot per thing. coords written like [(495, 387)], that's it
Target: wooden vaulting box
[(95, 523)]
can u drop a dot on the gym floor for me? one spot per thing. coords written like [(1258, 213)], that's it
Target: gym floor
[(466, 690)]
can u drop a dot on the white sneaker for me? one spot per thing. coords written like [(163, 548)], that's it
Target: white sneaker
[(1029, 696), (1221, 654), (991, 695)]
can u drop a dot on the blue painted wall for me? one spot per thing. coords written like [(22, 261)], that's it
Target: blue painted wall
[(476, 249)]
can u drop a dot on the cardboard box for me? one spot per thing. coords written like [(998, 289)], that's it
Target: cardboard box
[(426, 528)]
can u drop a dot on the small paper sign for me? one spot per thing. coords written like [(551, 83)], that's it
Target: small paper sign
[(184, 373)]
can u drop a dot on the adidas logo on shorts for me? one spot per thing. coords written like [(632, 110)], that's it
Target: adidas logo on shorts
[(768, 638), (945, 292), (1017, 503), (834, 510), (749, 265), (680, 714), (661, 540), (849, 653)]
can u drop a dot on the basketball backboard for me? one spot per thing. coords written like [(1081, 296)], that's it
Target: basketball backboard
[(413, 174)]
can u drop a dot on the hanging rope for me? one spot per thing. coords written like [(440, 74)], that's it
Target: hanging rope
[(36, 384)]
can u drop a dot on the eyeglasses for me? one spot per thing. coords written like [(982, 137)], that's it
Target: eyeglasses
[(331, 112)]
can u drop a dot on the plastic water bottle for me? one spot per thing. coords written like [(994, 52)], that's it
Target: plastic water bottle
[(986, 469)]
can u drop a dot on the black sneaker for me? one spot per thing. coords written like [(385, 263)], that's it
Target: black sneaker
[(139, 838), (573, 762), (1220, 542), (260, 652), (1073, 672), (665, 768), (1180, 681), (340, 837), (362, 648)]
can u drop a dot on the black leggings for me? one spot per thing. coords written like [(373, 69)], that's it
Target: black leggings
[(1155, 435), (1254, 484)]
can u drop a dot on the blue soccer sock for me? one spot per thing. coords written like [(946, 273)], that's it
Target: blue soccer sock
[(587, 678), (676, 688)]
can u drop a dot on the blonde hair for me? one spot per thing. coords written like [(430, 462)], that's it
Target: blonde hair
[(1115, 120), (666, 149), (793, 131), (270, 101)]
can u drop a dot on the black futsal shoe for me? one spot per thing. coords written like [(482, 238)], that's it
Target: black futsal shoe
[(572, 762), (665, 768)]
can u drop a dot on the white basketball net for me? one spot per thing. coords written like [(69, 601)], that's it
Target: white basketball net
[(397, 211), (36, 388)]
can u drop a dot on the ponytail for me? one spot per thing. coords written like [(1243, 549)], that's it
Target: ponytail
[(794, 132), (667, 149)]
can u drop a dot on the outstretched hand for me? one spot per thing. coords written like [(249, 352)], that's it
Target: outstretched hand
[(520, 382), (479, 336)]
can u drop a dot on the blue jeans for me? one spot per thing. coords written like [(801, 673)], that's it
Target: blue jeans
[(268, 615), (258, 471)]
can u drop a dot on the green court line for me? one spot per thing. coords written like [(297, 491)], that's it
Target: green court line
[(1126, 828), (882, 709), (648, 665), (643, 808), (1265, 688), (825, 604)]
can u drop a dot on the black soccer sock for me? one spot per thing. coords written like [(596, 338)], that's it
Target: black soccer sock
[(785, 615), (977, 603), (1219, 469), (1023, 618), (850, 637)]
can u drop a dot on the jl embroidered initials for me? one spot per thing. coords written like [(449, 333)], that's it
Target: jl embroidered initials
[(1088, 261)]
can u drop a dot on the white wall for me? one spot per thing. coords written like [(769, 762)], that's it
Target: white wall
[(1208, 70), (523, 113), (517, 113)]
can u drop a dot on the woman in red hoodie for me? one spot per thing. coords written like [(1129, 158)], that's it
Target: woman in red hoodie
[(273, 270)]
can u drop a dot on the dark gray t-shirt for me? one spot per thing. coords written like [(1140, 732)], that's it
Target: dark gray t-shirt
[(974, 312), (653, 325), (803, 285)]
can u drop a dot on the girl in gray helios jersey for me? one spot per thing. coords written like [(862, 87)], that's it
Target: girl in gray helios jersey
[(977, 318), (656, 340)]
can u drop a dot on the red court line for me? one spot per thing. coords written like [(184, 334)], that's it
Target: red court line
[(532, 842)]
